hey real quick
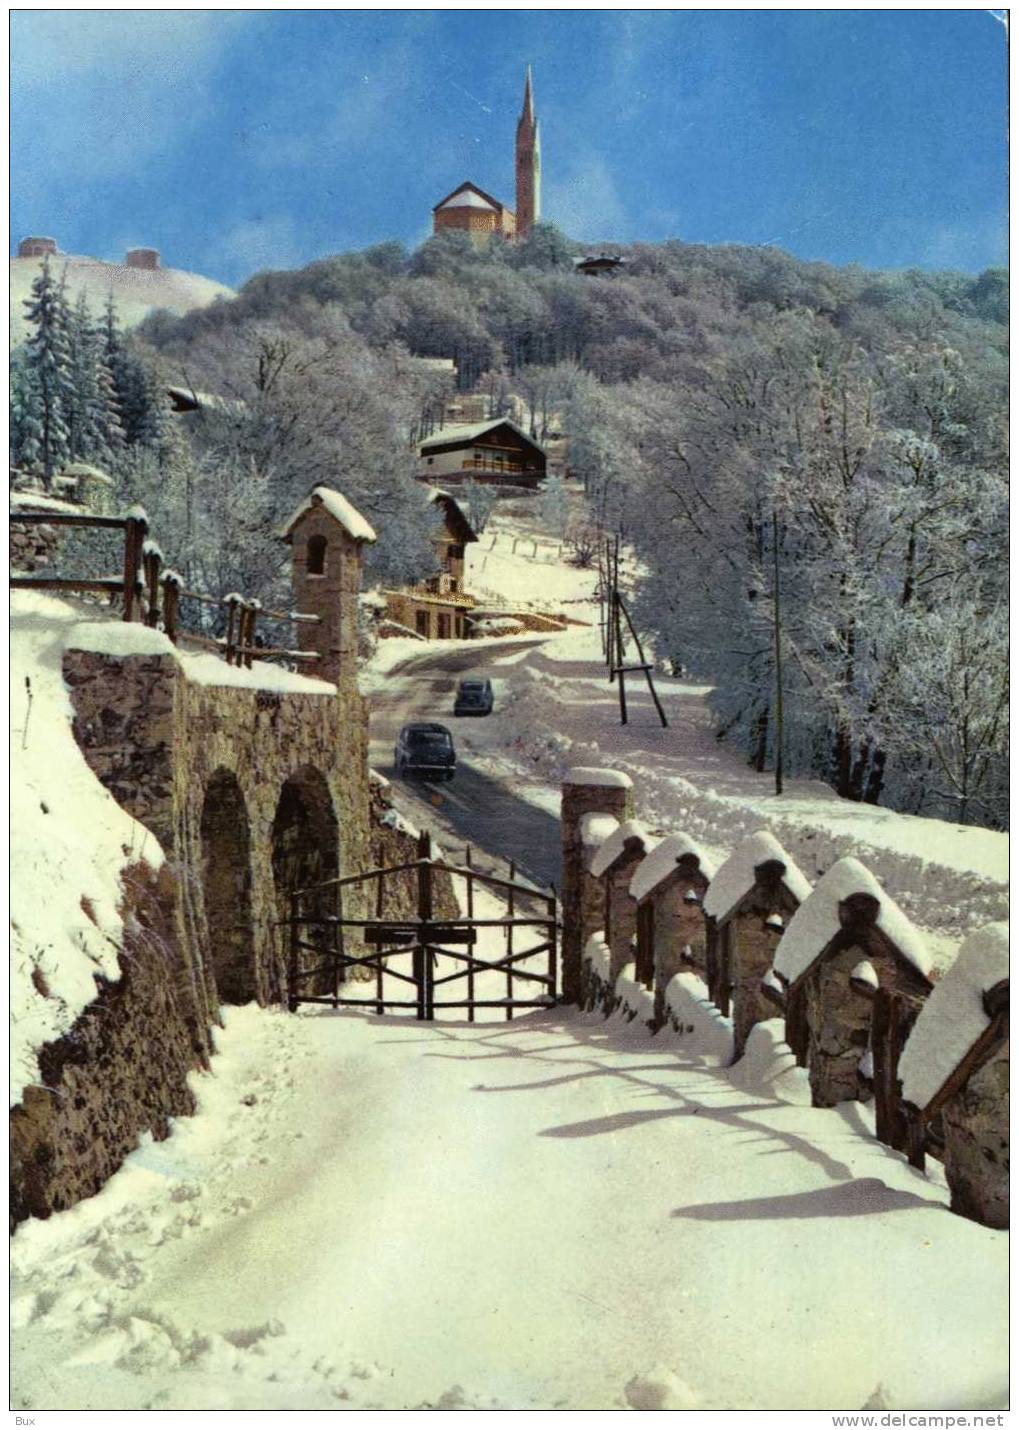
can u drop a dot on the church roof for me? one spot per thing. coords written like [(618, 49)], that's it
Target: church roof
[(469, 196)]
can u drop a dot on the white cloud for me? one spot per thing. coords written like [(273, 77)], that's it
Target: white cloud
[(584, 202), (258, 243), (95, 94)]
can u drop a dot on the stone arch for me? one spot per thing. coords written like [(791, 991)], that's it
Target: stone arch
[(316, 555), (226, 888), (305, 844)]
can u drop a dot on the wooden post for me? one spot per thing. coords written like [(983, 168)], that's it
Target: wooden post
[(470, 951), (231, 621), (645, 663), (619, 656), (292, 963), (423, 952), (135, 528), (552, 942), (171, 606), (916, 1139), (339, 945), (379, 907), (510, 908), (251, 614), (892, 1018), (150, 567)]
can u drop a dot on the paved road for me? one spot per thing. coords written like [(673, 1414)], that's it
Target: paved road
[(475, 808)]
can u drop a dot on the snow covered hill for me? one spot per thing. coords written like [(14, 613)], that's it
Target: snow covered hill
[(136, 291)]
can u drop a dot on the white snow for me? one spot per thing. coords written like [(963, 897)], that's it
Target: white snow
[(635, 1001), (953, 1017), (864, 972), (38, 501), (71, 842), (768, 1065), (816, 922), (735, 878), (661, 860), (596, 828), (607, 854), (598, 955), (686, 997), (607, 779), (337, 505), (130, 638)]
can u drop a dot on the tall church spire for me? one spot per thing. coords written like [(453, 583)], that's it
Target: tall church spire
[(528, 164)]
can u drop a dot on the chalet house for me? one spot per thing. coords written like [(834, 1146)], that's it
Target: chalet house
[(496, 451), (437, 608)]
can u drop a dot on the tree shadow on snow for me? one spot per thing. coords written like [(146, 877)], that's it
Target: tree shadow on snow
[(861, 1196)]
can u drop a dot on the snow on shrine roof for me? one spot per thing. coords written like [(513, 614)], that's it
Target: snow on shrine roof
[(596, 828), (662, 861), (467, 431), (85, 469), (735, 878), (609, 852), (816, 922), (468, 199), (337, 505), (954, 1016), (588, 775)]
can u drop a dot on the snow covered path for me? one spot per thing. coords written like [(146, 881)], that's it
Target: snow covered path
[(555, 1212)]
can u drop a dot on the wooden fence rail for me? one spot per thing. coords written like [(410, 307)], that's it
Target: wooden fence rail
[(152, 592)]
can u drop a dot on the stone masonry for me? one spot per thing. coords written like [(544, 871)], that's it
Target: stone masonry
[(582, 910)]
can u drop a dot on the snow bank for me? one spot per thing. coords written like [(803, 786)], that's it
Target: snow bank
[(38, 501), (596, 828), (337, 505), (607, 854), (816, 922), (768, 1066), (708, 1033), (953, 1017), (130, 638), (597, 954), (636, 1003), (736, 878), (606, 779), (661, 861), (71, 842)]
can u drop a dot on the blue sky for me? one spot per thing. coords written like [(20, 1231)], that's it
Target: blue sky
[(240, 140)]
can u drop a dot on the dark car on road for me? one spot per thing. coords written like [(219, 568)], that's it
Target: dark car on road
[(425, 750), (473, 697)]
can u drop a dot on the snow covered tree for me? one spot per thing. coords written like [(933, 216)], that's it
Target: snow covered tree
[(479, 501), (554, 506), (47, 360)]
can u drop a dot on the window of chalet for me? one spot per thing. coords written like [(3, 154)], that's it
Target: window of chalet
[(317, 555)]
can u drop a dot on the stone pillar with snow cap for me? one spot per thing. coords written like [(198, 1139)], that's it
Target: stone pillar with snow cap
[(955, 1063), (847, 920), (668, 889), (327, 536), (587, 792), (747, 905), (614, 863)]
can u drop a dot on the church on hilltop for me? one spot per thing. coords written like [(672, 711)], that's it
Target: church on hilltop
[(474, 212)]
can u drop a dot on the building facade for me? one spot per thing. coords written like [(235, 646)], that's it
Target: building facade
[(439, 608), (496, 451)]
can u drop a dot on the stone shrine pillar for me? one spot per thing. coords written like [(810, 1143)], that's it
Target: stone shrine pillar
[(586, 791)]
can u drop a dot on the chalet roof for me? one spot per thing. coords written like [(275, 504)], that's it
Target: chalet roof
[(465, 432), (453, 510), (469, 196), (337, 505)]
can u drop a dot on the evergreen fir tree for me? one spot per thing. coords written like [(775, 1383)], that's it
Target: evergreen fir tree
[(48, 361)]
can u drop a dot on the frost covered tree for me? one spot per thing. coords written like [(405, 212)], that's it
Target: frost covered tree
[(554, 506), (47, 364), (479, 501)]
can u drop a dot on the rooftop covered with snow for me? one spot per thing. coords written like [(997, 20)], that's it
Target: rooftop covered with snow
[(337, 505), (663, 860), (817, 922), (737, 875), (954, 1017), (630, 832), (607, 779)]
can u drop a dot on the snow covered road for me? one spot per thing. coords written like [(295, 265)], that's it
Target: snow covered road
[(561, 1211)]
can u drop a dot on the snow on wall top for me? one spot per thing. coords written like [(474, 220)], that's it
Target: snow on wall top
[(337, 505), (39, 501), (596, 828), (609, 852), (953, 1017), (588, 775), (816, 922), (129, 638), (662, 860), (735, 878)]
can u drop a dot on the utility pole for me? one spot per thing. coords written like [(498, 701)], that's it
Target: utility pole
[(777, 618)]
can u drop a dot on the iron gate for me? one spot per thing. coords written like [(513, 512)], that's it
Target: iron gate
[(326, 943)]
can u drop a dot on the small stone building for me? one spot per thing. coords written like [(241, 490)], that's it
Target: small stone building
[(438, 608), (847, 940), (668, 891), (747, 905), (589, 794), (955, 1064)]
